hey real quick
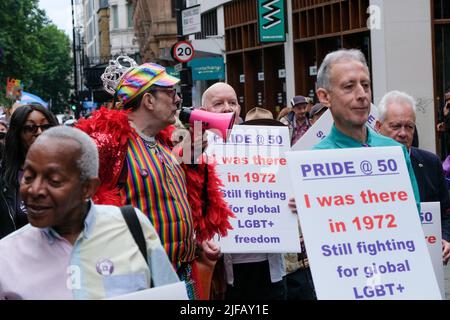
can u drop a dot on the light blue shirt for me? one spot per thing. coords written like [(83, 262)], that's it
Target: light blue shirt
[(104, 261)]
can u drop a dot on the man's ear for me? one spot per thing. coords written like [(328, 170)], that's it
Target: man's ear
[(324, 97), (377, 126), (148, 100), (90, 187)]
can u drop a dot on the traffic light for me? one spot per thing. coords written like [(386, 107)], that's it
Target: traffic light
[(73, 102)]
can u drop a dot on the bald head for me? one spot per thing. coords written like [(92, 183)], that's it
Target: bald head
[(221, 98)]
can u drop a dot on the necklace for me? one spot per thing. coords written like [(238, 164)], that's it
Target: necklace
[(150, 142)]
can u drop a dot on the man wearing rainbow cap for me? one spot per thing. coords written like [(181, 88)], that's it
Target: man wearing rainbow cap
[(138, 167)]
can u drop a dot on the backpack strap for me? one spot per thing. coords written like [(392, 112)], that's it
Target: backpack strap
[(129, 214)]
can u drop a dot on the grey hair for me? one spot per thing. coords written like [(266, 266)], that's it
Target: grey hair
[(323, 75), (88, 161), (394, 96)]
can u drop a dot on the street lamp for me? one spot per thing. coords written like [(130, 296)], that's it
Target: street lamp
[(75, 73), (76, 49), (185, 72)]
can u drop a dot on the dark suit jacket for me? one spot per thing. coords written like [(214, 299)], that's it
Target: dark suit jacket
[(432, 184)]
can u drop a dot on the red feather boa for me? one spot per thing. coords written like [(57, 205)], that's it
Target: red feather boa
[(110, 130)]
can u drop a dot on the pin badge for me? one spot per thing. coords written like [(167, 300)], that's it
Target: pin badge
[(105, 267), (144, 173)]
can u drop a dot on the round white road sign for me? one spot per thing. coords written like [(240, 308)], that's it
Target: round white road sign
[(183, 51)]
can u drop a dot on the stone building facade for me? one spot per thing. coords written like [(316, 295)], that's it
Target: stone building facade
[(155, 28)]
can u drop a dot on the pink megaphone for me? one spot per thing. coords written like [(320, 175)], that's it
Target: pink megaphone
[(223, 122)]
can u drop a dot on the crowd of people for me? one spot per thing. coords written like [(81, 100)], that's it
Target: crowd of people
[(102, 207)]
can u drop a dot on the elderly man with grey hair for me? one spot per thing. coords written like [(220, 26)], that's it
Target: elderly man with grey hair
[(72, 248), (344, 86), (397, 120)]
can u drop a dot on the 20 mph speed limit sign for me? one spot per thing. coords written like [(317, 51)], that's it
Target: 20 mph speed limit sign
[(183, 51)]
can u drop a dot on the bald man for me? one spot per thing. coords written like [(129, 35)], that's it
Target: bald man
[(249, 276), (221, 98)]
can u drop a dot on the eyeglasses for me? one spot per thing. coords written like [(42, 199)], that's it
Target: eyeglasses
[(32, 128), (172, 92)]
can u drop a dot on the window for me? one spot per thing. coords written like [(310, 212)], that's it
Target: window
[(209, 25), (94, 30), (90, 32), (89, 8), (100, 40), (115, 17), (442, 9), (442, 51), (130, 12), (174, 10), (103, 4), (442, 64)]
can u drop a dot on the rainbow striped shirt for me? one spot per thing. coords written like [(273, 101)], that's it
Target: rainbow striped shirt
[(156, 184)]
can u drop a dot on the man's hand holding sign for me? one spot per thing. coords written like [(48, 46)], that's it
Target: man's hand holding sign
[(254, 171), (361, 227)]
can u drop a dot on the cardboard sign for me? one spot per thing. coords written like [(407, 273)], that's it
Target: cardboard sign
[(431, 224), (360, 224), (13, 88), (252, 166), (322, 127), (175, 291)]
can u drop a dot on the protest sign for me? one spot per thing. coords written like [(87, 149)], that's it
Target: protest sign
[(322, 127), (252, 166), (13, 88), (430, 217), (360, 224), (175, 291)]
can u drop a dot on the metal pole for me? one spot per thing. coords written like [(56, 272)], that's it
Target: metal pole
[(185, 73), (178, 8), (75, 73)]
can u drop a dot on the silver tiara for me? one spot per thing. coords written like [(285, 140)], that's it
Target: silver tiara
[(115, 71)]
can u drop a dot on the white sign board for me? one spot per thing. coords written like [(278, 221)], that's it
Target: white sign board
[(191, 3), (322, 127), (178, 67), (175, 291), (360, 224), (252, 167), (191, 20), (431, 224)]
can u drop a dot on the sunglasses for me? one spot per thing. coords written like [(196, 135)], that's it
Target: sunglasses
[(32, 128)]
